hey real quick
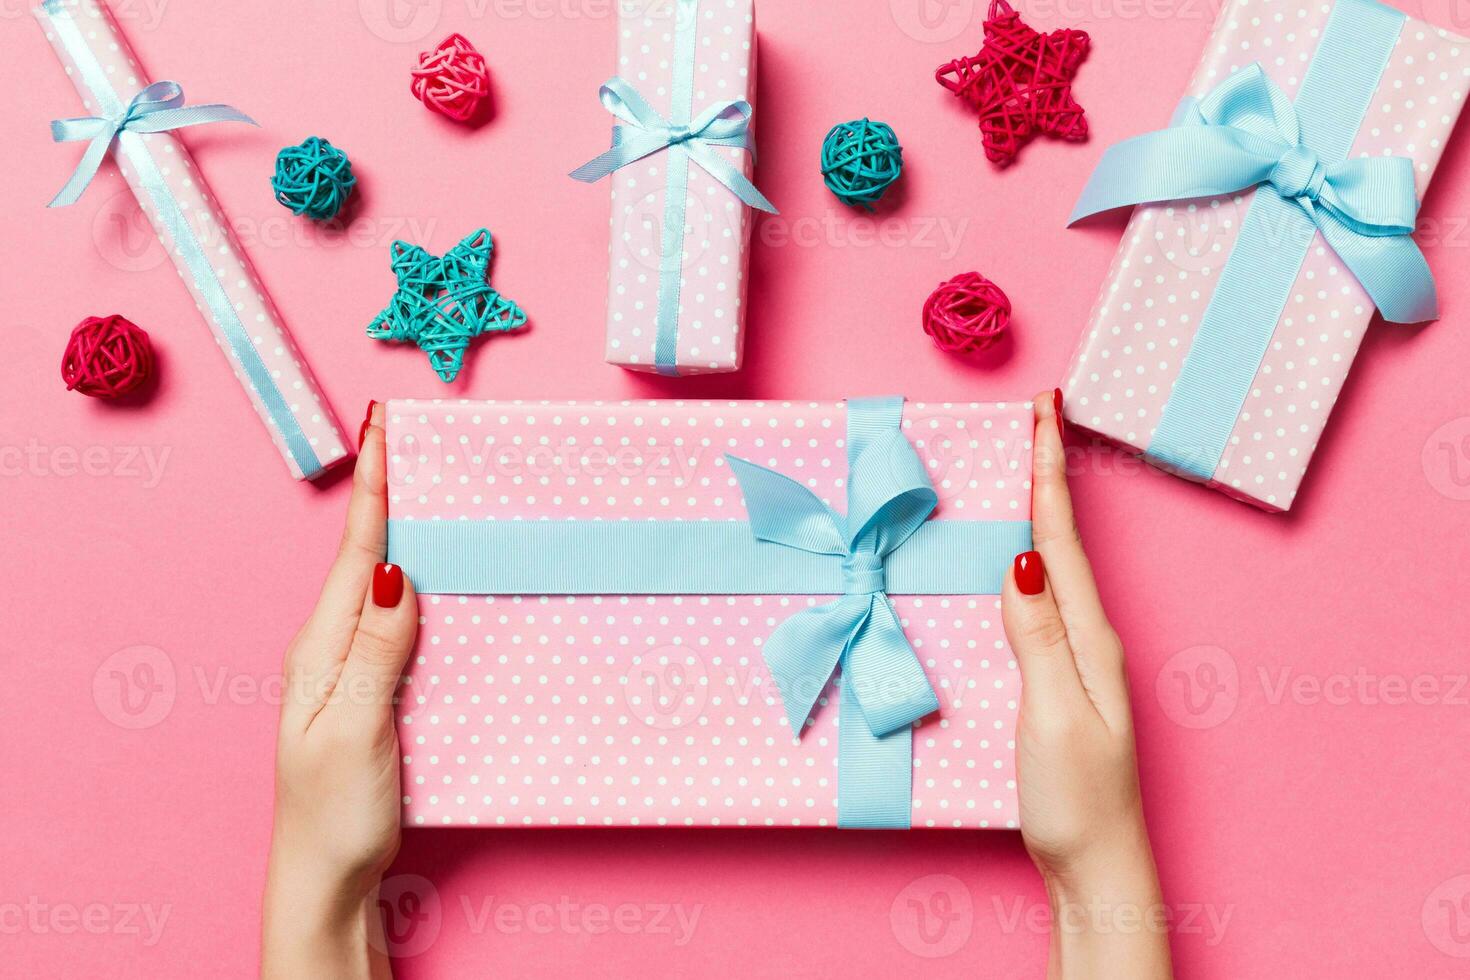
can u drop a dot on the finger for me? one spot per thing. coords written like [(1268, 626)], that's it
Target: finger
[(322, 645), (1054, 530), (380, 648), (1039, 639)]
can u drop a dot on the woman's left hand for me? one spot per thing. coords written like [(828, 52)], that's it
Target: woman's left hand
[(337, 757)]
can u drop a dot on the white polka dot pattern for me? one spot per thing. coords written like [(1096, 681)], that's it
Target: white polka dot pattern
[(233, 271), (652, 710), (717, 225), (1165, 271)]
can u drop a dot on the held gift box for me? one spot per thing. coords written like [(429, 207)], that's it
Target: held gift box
[(1243, 409), (601, 586), (680, 225)]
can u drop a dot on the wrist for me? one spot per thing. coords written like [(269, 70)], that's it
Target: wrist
[(1107, 909), (314, 922)]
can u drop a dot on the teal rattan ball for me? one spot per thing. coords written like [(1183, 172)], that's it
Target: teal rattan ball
[(314, 179), (860, 159)]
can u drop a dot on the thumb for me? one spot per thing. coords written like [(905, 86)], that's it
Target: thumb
[(382, 643)]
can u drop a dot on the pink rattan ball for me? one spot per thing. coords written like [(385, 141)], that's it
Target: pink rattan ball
[(966, 314), (106, 357), (452, 79)]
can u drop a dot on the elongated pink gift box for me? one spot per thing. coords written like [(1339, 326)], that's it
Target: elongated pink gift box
[(635, 709), (707, 280), (1165, 273), (173, 194)]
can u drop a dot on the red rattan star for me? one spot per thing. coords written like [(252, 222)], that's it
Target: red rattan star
[(1020, 83)]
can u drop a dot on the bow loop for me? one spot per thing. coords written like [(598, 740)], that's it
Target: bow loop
[(646, 132), (158, 108), (1245, 132)]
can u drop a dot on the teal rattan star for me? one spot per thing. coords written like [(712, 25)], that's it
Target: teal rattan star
[(442, 303)]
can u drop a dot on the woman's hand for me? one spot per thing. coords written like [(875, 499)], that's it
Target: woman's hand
[(337, 759), (1081, 813)]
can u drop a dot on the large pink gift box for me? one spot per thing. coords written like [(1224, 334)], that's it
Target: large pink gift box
[(613, 709), (1167, 268)]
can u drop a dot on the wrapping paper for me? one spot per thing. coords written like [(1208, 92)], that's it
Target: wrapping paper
[(1160, 283), (165, 180), (535, 710), (712, 274)]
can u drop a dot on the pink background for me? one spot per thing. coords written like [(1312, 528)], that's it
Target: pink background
[(1323, 823)]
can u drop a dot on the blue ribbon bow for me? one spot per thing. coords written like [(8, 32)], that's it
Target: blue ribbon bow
[(1245, 132), (156, 109), (884, 688), (646, 132)]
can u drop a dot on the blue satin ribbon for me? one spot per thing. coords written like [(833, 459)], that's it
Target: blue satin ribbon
[(793, 544), (884, 689), (159, 108), (189, 250), (685, 137), (1246, 133)]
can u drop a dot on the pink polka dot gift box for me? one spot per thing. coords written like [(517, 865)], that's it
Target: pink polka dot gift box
[(1277, 212), (629, 610), (133, 122), (680, 165)]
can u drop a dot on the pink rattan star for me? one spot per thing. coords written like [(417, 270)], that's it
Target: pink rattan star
[(1020, 83)]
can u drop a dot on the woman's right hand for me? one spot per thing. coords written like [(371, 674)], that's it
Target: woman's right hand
[(1077, 771)]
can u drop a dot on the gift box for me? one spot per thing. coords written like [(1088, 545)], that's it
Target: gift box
[(627, 609), (680, 166), (134, 120), (1283, 196)]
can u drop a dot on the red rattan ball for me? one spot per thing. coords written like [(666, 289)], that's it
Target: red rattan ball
[(966, 314), (106, 357), (452, 79)]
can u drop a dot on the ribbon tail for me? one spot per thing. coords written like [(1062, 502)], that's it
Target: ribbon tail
[(194, 115), (1391, 270), (722, 170), (86, 169), (882, 673), (1176, 164), (803, 652)]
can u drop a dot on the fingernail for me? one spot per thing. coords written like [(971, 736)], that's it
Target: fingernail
[(369, 416), (388, 585), (1056, 400), (1030, 575), (362, 434)]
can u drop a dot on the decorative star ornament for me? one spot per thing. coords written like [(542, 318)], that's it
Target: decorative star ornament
[(443, 303), (1020, 83)]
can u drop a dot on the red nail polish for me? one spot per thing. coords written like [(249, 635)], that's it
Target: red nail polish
[(1056, 400), (1030, 574), (362, 434), (369, 416), (387, 585)]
